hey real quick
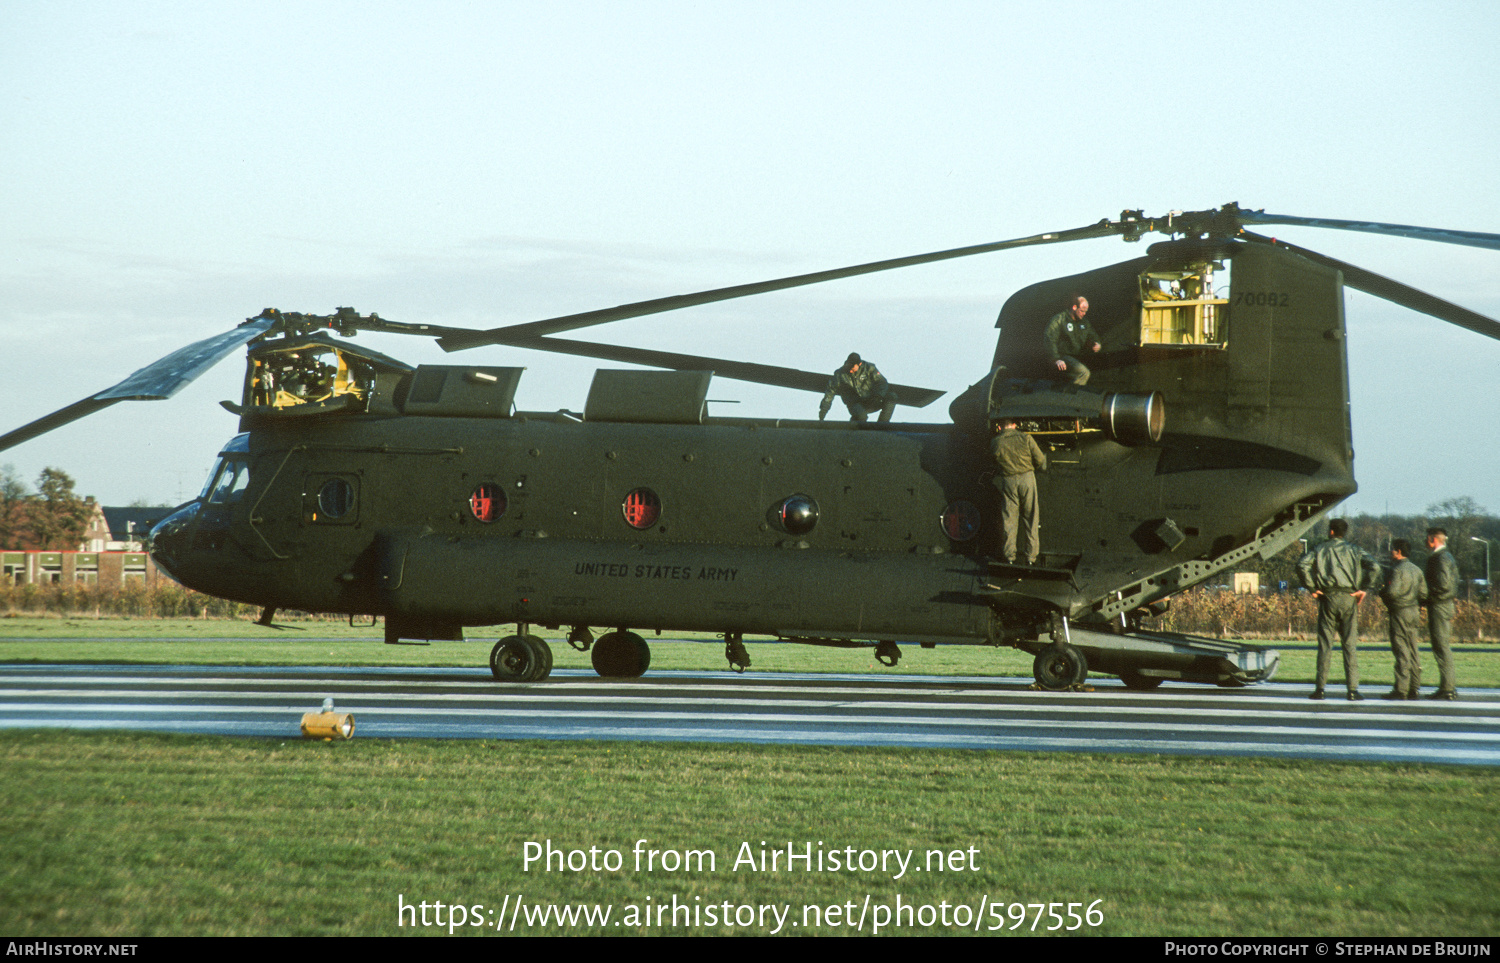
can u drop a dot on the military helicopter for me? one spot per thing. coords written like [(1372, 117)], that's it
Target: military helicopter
[(1215, 428)]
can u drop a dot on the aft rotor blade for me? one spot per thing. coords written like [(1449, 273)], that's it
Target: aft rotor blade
[(1394, 291), (761, 374), (158, 380), (1470, 238), (570, 322)]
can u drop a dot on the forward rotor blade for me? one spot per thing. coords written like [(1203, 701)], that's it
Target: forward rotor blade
[(158, 380), (1394, 291), (761, 374), (1470, 238), (570, 322)]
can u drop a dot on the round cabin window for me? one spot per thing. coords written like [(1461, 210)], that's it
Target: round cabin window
[(642, 508), (488, 502)]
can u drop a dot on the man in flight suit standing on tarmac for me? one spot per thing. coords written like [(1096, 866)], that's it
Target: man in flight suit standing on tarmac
[(1404, 590), (1442, 601), (1338, 574)]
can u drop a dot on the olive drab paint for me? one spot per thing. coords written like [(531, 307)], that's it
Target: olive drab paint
[(1215, 427)]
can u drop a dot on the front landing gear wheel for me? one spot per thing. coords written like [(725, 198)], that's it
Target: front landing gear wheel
[(621, 655), (887, 653), (1060, 666)]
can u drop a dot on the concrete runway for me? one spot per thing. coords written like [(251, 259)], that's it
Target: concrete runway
[(863, 710)]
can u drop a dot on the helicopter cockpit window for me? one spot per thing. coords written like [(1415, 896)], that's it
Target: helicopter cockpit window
[(1180, 306), (230, 483)]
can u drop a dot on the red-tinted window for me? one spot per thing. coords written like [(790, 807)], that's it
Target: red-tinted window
[(488, 502), (961, 521), (642, 508)]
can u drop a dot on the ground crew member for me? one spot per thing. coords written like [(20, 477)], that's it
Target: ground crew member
[(1404, 590), (863, 388), (1338, 574), (1067, 336), (1018, 457), (1442, 595)]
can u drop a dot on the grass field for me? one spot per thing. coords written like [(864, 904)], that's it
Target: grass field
[(121, 834)]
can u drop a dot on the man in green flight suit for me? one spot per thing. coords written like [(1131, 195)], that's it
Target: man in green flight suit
[(1068, 336), (1338, 574), (1404, 590), (1019, 458), (1442, 595), (863, 388)]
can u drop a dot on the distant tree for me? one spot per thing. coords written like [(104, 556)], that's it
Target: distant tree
[(13, 507), (53, 519)]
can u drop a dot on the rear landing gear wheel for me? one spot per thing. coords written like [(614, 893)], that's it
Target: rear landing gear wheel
[(1059, 667), (621, 655), (887, 653), (1133, 679)]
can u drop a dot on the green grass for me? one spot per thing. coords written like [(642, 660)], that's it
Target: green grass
[(117, 834), (231, 642), (109, 834)]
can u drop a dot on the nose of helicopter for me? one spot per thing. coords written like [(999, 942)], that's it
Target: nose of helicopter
[(169, 539)]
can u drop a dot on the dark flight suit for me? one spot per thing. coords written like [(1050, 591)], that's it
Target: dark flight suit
[(1404, 590), (1019, 459), (1065, 340), (1338, 569), (863, 390), (1442, 593)]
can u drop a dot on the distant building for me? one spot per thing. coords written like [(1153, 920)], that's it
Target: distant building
[(113, 552)]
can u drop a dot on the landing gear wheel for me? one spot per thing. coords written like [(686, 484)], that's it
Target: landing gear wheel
[(1140, 683), (887, 653), (1059, 667), (544, 657), (514, 659), (734, 652), (621, 655)]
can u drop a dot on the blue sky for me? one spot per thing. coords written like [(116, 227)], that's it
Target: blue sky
[(172, 168)]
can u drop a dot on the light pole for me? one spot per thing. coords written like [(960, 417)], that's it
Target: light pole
[(1489, 585)]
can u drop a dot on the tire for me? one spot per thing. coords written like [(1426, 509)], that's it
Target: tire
[(1058, 667), (1140, 683), (513, 659), (620, 655), (543, 655)]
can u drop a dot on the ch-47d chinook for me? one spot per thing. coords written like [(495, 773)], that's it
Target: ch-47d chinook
[(1215, 428)]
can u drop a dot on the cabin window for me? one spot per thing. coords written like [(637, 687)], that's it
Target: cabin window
[(642, 508), (336, 498), (798, 514), (1180, 306), (961, 521), (487, 502), (331, 499)]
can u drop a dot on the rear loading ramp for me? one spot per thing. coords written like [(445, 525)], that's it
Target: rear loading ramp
[(1145, 659)]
